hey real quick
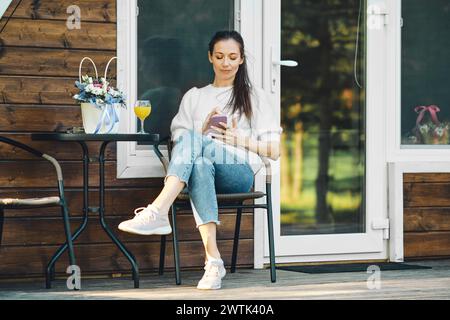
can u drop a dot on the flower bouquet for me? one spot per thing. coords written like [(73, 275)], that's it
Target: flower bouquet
[(100, 102), (431, 131)]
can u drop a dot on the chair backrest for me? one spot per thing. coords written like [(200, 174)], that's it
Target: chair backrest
[(169, 147), (37, 153), (21, 146)]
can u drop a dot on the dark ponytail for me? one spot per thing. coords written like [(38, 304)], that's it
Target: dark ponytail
[(240, 99)]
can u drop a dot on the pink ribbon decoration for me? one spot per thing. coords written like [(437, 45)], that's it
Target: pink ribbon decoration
[(432, 109)]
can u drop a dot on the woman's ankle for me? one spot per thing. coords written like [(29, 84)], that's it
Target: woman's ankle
[(213, 258), (160, 210)]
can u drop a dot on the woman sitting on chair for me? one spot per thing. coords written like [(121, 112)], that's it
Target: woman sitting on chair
[(211, 157)]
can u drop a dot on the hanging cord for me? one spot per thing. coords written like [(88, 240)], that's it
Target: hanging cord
[(18, 4), (357, 45)]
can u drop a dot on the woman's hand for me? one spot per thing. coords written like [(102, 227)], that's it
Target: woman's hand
[(208, 118), (230, 135), (270, 149)]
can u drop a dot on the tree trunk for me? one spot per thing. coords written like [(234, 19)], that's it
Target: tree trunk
[(326, 107), (298, 160)]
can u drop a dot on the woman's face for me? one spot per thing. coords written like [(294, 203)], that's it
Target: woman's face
[(226, 59)]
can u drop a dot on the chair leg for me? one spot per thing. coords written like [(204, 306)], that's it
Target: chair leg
[(2, 217), (273, 276), (162, 255), (175, 246), (50, 271), (65, 213), (236, 240)]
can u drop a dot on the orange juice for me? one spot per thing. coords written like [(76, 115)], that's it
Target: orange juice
[(142, 112)]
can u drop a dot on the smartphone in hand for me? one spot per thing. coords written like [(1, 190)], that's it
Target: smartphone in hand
[(215, 121)]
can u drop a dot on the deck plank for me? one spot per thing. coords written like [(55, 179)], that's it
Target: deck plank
[(254, 284)]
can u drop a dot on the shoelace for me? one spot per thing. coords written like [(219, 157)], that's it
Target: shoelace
[(144, 214)]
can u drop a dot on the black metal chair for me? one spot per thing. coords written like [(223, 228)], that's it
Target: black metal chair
[(8, 203), (225, 201)]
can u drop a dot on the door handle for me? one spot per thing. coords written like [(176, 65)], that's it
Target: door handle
[(285, 63), (274, 70), (275, 76)]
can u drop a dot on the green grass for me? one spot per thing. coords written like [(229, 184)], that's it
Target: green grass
[(345, 186)]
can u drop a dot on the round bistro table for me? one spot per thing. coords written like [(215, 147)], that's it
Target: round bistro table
[(82, 138)]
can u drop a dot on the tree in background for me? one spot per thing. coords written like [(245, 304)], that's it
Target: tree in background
[(321, 95)]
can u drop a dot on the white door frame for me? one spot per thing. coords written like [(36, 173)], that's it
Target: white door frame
[(362, 246)]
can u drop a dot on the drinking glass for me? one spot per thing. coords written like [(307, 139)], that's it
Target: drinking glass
[(142, 109)]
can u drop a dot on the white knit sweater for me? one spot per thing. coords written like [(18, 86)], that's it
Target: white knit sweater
[(198, 103)]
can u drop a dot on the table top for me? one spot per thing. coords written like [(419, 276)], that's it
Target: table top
[(61, 136)]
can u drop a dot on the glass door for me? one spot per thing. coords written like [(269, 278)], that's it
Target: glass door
[(323, 116), (322, 204)]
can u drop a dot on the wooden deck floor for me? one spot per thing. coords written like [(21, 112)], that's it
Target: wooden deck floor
[(253, 284)]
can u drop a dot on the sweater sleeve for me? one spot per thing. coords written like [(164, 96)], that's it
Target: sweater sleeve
[(265, 123), (183, 119)]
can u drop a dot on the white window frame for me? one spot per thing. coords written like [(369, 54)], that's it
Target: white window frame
[(132, 161), (406, 158), (4, 6), (395, 151)]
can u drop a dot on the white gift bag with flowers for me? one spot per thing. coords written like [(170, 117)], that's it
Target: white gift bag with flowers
[(100, 102)]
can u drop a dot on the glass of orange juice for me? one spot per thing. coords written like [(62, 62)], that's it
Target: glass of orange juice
[(142, 109)]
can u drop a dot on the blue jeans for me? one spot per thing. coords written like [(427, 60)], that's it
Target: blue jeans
[(208, 168)]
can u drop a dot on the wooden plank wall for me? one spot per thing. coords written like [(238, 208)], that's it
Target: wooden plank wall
[(39, 60), (426, 215)]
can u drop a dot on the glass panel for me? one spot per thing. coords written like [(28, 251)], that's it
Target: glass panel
[(323, 116), (425, 104), (173, 39)]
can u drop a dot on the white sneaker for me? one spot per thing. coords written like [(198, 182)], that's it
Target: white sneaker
[(146, 222), (212, 279)]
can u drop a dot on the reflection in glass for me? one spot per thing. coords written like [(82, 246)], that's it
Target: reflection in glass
[(323, 117), (173, 39), (425, 113)]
